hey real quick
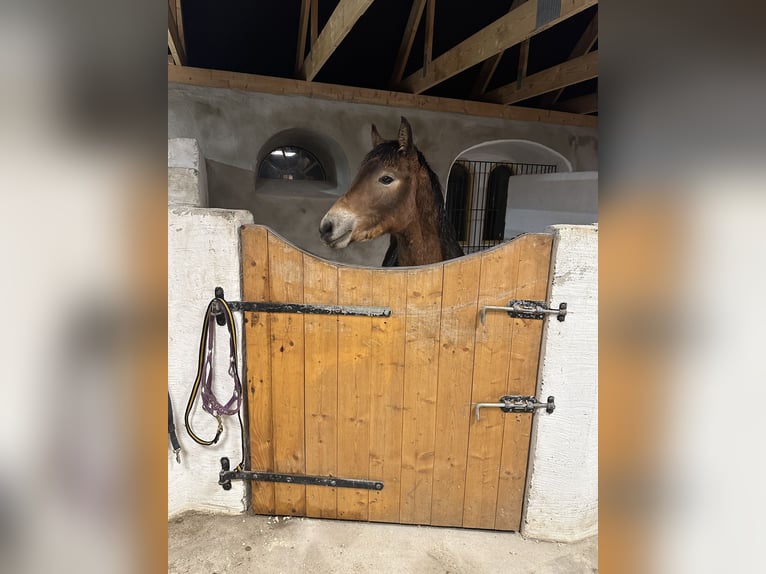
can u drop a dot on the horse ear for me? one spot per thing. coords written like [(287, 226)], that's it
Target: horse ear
[(376, 137), (405, 136)]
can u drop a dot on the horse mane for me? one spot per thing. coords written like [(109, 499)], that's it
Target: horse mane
[(388, 154)]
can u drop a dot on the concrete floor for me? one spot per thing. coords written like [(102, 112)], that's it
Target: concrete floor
[(217, 544)]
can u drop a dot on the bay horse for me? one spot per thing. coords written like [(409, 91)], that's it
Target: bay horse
[(395, 192)]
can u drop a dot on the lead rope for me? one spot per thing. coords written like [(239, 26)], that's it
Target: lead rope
[(210, 403)]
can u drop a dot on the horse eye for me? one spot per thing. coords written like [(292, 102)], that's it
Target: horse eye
[(386, 179)]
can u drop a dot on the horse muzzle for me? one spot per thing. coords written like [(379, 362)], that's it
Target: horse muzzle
[(336, 228)]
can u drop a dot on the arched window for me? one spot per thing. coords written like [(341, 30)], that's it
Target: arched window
[(497, 201), (457, 200), (291, 162)]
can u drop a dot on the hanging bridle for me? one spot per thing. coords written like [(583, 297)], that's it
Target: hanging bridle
[(218, 308)]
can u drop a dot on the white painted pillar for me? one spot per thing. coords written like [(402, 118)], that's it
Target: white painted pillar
[(203, 253), (562, 491), (187, 175)]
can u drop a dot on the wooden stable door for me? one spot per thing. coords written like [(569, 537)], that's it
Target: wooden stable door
[(391, 398)]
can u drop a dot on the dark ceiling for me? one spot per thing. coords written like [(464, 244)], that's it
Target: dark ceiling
[(261, 37)]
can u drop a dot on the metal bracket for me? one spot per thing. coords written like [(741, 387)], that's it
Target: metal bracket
[(518, 404), (226, 476), (524, 309), (299, 308)]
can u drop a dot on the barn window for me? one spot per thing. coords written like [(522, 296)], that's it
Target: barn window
[(291, 163), (497, 201), (458, 183)]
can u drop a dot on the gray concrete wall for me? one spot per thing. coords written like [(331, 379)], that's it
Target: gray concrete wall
[(536, 202), (236, 129)]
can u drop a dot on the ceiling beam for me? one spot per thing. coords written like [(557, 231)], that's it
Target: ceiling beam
[(343, 18), (490, 65), (583, 46), (521, 71), (553, 78), (513, 28), (314, 21), (581, 105), (290, 87), (303, 25), (429, 41), (416, 13), (174, 40)]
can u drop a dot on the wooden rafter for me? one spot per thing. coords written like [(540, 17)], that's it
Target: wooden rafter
[(303, 25), (314, 21), (556, 77), (523, 61), (490, 64), (343, 18), (174, 38), (416, 13), (581, 105), (280, 86), (583, 46), (513, 28), (429, 41)]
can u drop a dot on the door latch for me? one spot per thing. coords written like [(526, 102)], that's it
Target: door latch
[(518, 404), (524, 309)]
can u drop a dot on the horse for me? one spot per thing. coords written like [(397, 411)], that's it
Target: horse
[(394, 192)]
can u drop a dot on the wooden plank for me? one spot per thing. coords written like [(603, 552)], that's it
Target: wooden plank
[(174, 40), (320, 286), (534, 262), (581, 105), (287, 375), (255, 287), (386, 394), (513, 28), (343, 18), (285, 86), (314, 22), (497, 285), (453, 403), (521, 72), (429, 40), (421, 364), (179, 16), (410, 30), (583, 46), (303, 24), (354, 374), (559, 76)]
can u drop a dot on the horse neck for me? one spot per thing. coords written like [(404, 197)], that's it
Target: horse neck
[(421, 242)]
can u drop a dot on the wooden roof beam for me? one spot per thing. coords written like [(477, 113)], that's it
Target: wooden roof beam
[(583, 46), (303, 25), (516, 26), (331, 92), (341, 21), (553, 78), (581, 105), (408, 38), (174, 39)]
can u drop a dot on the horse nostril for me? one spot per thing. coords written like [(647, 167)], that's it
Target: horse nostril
[(325, 228)]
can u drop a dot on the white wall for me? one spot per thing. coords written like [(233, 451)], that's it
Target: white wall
[(536, 202), (203, 252), (562, 490)]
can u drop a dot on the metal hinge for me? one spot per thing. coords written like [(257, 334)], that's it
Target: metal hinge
[(524, 309), (226, 476), (518, 404)]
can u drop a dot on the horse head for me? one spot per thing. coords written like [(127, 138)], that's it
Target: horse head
[(382, 196)]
